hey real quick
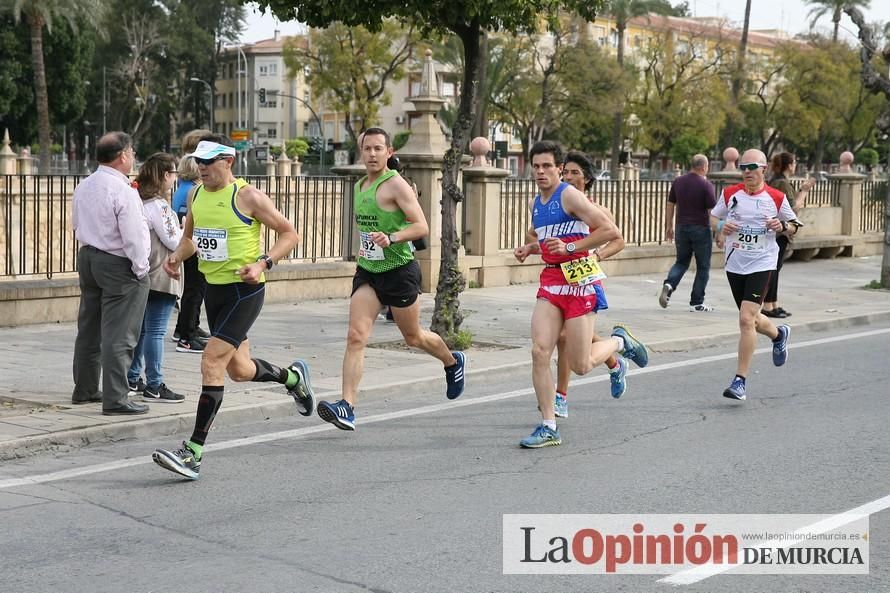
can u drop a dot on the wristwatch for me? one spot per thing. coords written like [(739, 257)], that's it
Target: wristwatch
[(392, 238), (267, 259), (570, 248)]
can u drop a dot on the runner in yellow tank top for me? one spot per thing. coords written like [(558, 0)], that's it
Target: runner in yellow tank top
[(389, 217), (223, 226)]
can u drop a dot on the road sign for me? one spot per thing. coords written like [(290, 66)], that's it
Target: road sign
[(240, 135), (242, 144)]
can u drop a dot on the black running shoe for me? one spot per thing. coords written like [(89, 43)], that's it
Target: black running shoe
[(182, 461), (302, 391)]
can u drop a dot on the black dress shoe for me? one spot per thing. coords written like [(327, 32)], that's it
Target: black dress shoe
[(783, 312), (128, 409), (92, 400)]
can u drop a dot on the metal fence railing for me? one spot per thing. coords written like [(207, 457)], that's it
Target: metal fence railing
[(874, 203), (36, 238), (638, 208)]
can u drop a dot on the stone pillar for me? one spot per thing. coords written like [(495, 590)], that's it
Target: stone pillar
[(482, 199), (296, 167), (730, 156), (423, 157), (283, 164), (846, 162), (270, 166), (7, 156), (25, 162), (850, 201)]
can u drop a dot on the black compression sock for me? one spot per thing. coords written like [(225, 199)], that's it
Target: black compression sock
[(266, 371), (208, 405)]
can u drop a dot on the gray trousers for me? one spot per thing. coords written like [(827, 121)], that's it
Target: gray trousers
[(112, 304)]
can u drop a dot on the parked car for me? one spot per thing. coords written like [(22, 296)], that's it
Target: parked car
[(603, 175)]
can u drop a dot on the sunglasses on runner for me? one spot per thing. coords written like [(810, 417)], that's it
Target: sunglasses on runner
[(750, 166), (208, 162)]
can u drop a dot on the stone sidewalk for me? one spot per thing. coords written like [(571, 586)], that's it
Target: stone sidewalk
[(35, 367)]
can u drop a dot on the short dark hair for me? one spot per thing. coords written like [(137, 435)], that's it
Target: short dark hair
[(376, 131), (544, 147), (111, 145), (584, 163)]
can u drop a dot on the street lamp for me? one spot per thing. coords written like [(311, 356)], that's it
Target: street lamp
[(209, 90), (324, 142)]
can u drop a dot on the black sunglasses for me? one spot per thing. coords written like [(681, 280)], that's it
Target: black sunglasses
[(750, 166), (208, 162)]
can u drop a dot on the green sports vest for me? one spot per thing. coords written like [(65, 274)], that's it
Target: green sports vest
[(369, 216), (226, 238)]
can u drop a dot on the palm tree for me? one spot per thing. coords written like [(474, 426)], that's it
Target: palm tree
[(622, 11), (835, 8), (39, 14)]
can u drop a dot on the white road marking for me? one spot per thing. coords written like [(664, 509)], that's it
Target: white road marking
[(700, 573), (423, 410)]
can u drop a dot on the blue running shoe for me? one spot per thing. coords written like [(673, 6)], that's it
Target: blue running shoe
[(302, 391), (618, 378), (339, 413), (633, 348), (454, 376), (780, 345), (561, 407), (541, 437), (736, 389)]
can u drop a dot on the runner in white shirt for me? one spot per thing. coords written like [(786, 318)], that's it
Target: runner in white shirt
[(747, 217)]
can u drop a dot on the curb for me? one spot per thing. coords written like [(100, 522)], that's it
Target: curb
[(180, 424)]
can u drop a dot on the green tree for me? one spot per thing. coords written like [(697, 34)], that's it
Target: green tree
[(868, 157), (875, 79), (68, 56), (686, 146), (623, 11), (349, 68), (468, 20), (835, 8), (40, 14), (682, 90)]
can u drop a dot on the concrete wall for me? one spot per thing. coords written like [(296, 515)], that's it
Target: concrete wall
[(24, 302)]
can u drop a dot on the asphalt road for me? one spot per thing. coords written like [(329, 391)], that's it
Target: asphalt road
[(413, 500)]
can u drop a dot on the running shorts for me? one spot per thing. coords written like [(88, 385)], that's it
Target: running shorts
[(749, 287), (398, 287), (232, 309)]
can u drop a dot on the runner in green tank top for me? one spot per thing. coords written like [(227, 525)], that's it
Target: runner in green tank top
[(389, 218), (223, 226)]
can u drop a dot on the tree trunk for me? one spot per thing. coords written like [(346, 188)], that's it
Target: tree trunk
[(35, 22), (618, 121), (480, 126), (737, 78), (885, 262), (447, 316)]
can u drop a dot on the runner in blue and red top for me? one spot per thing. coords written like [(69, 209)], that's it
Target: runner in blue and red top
[(567, 225), (747, 218)]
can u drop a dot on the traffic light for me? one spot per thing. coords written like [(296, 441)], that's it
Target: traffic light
[(262, 95)]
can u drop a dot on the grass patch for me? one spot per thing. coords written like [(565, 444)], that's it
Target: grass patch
[(874, 285)]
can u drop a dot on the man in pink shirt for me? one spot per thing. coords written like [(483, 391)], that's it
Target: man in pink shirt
[(112, 264)]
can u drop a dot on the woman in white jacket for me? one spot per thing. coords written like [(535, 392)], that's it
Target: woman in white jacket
[(154, 182)]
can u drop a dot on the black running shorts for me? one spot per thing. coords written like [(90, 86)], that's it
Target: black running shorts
[(232, 309), (398, 287), (749, 287)]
